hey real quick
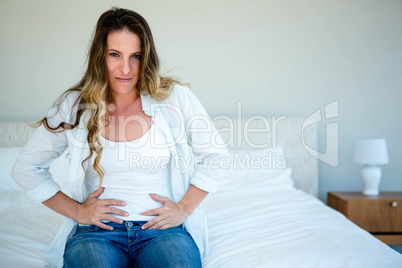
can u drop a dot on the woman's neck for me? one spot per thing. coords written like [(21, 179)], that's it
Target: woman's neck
[(122, 102)]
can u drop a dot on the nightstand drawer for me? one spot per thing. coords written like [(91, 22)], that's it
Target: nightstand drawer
[(376, 216)]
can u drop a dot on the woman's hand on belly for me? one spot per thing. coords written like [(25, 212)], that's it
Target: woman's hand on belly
[(93, 210), (170, 215)]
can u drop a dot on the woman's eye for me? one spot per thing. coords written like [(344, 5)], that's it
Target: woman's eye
[(137, 56), (114, 54)]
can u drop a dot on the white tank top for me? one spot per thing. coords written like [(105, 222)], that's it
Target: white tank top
[(133, 170)]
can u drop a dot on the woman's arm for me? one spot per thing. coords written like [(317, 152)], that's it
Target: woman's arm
[(206, 143), (31, 173), (192, 199), (31, 169), (173, 214)]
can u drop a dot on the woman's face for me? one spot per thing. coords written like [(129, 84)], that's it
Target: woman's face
[(123, 50)]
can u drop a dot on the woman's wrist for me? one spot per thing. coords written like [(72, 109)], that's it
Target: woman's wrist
[(76, 212), (192, 199), (185, 208)]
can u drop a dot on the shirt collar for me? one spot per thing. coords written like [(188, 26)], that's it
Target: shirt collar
[(149, 105)]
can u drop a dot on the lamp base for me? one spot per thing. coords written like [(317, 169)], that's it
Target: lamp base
[(371, 176)]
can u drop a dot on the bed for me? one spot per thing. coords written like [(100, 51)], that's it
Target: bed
[(263, 215)]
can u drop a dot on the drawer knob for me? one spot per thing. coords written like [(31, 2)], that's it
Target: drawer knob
[(394, 204)]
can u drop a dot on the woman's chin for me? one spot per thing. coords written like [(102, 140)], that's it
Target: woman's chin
[(123, 90)]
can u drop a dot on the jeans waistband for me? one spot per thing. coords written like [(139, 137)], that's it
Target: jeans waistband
[(130, 223), (116, 226)]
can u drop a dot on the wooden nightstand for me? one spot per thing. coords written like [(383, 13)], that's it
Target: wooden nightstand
[(380, 215)]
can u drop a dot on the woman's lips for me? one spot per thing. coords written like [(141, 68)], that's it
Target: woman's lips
[(121, 79)]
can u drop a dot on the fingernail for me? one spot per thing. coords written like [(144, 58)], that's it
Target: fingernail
[(126, 214), (142, 227), (111, 228), (124, 204)]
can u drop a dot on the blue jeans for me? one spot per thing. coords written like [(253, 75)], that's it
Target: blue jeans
[(129, 246)]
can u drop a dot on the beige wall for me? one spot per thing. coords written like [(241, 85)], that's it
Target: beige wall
[(280, 57)]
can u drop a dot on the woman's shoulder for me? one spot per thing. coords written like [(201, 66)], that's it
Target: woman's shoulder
[(180, 94), (70, 96), (180, 88), (65, 104), (68, 99)]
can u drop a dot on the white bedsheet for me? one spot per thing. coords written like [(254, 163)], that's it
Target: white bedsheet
[(279, 226), (274, 226), (26, 230)]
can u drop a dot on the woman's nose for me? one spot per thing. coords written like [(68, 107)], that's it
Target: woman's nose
[(125, 66)]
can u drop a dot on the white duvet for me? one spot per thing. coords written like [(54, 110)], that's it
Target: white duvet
[(264, 222)]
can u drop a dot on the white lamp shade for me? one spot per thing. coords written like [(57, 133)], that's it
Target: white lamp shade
[(371, 152)]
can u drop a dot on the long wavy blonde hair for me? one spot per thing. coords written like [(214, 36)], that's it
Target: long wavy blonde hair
[(94, 87)]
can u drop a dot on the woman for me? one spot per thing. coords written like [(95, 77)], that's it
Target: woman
[(119, 114)]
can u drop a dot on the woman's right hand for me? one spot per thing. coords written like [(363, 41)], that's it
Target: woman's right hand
[(93, 210)]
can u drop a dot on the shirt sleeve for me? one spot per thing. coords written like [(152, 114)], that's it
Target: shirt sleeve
[(31, 169), (206, 143)]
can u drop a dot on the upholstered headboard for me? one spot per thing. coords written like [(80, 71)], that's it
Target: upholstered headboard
[(14, 134), (237, 133), (277, 131)]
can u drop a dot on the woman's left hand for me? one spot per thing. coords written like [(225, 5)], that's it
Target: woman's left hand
[(170, 215)]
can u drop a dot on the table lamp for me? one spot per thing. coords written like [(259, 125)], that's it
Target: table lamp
[(370, 153)]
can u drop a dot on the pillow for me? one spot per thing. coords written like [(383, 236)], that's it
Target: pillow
[(8, 156), (275, 181), (248, 163)]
